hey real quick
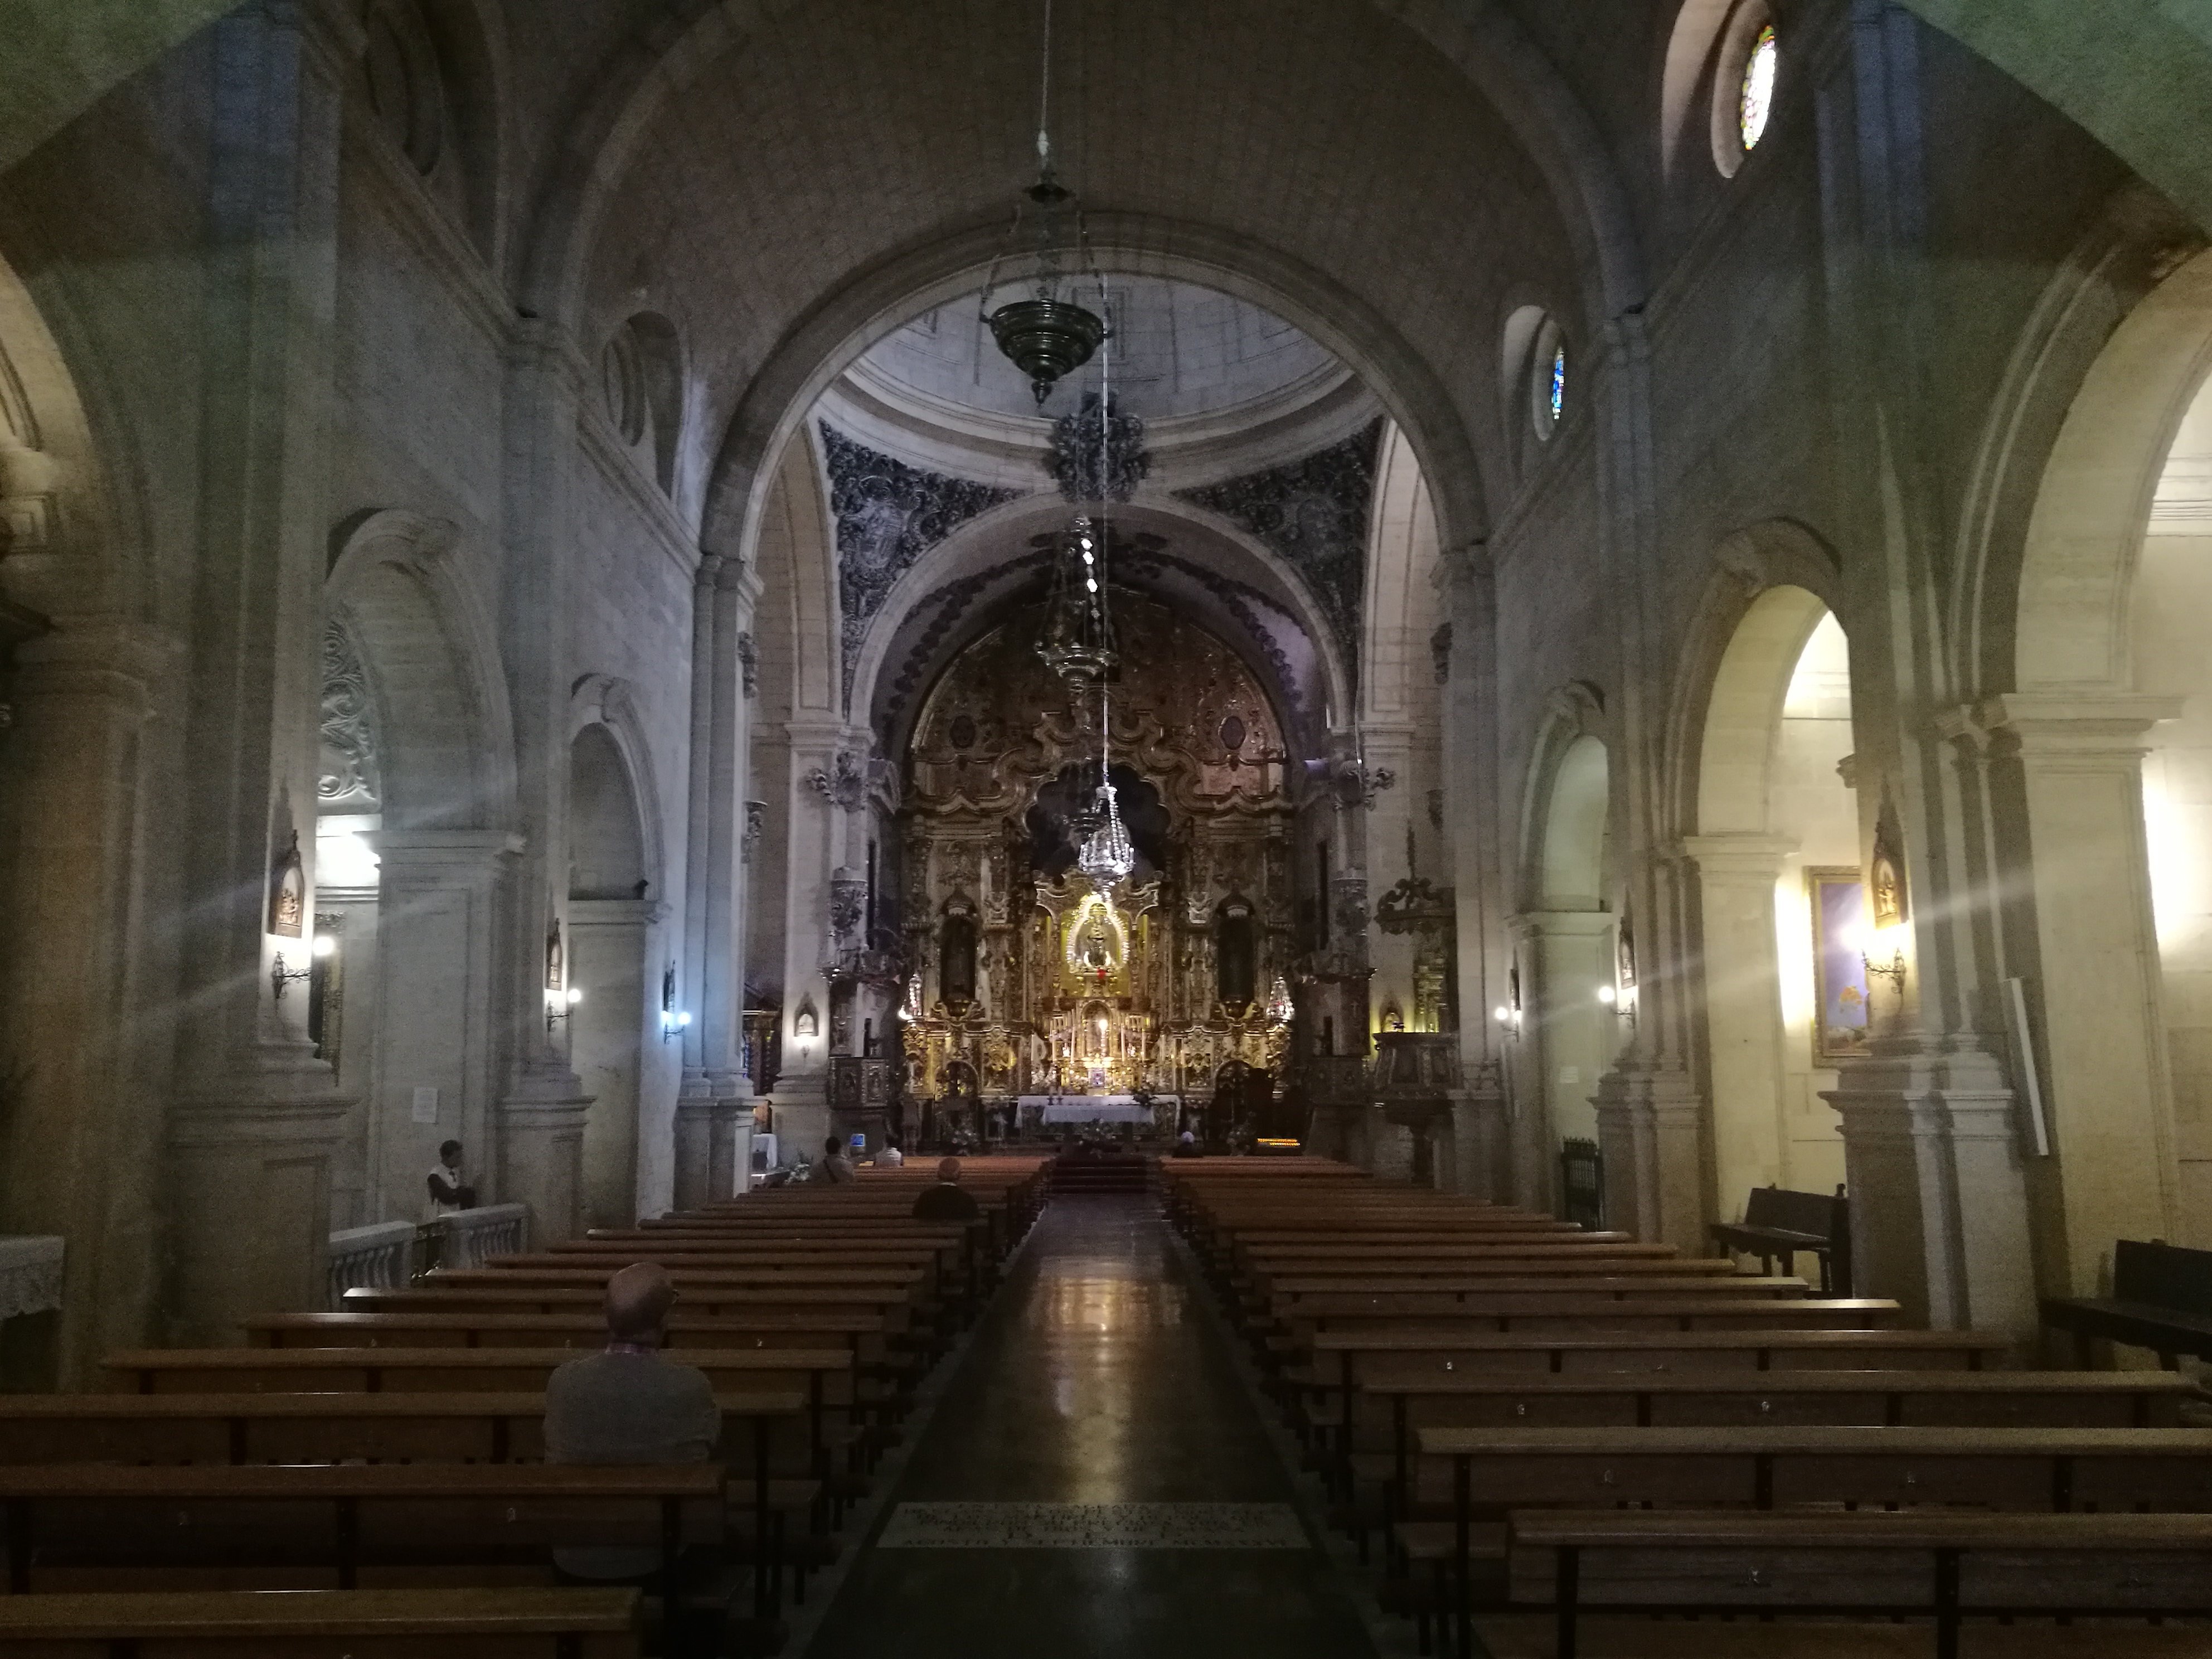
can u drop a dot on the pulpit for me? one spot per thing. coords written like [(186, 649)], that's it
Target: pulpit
[(859, 1096), (1417, 1083)]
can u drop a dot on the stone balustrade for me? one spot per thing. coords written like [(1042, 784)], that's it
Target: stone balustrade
[(382, 1257), (389, 1254)]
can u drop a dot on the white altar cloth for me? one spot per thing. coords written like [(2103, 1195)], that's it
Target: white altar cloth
[(1095, 1108)]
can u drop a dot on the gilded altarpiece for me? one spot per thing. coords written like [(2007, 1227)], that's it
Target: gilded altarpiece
[(1028, 979)]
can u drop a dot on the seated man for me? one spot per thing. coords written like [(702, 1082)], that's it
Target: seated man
[(945, 1201), (835, 1169), (891, 1157), (629, 1405), (449, 1193)]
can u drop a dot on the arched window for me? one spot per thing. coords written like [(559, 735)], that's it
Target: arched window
[(1236, 965), (1755, 90), (956, 958), (1547, 379)]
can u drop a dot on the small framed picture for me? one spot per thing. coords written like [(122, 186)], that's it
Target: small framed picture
[(1839, 975), (287, 894)]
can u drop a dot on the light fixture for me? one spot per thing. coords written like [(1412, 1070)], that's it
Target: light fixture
[(560, 1004), (1893, 969), (1622, 1002), (673, 1021), (1046, 335), (280, 976), (324, 944)]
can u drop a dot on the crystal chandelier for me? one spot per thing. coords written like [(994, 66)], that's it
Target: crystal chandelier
[(1107, 858), (1046, 334)]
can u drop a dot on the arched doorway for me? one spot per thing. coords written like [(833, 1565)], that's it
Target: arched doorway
[(1786, 992), (416, 793), (611, 916), (1565, 948)]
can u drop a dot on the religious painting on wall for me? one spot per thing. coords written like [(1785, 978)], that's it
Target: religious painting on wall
[(1839, 975)]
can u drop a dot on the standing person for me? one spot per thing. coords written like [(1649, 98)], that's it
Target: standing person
[(947, 1200), (835, 1169), (449, 1193), (629, 1404)]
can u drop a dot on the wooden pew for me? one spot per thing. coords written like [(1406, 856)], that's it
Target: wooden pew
[(1779, 1224), (433, 1327), (516, 1623), (418, 1427), (1489, 1471), (2162, 1300), (1288, 1291), (93, 1526), (1944, 1567)]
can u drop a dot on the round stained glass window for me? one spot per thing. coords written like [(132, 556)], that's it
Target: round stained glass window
[(1555, 392), (1755, 107)]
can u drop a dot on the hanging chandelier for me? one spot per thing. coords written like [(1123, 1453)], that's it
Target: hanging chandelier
[(1106, 856), (1046, 334)]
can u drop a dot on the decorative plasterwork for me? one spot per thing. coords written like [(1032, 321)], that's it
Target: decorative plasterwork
[(888, 515), (349, 773), (749, 664), (1091, 465), (1440, 644), (1313, 513)]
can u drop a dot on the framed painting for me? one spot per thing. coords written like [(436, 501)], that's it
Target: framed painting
[(1839, 975)]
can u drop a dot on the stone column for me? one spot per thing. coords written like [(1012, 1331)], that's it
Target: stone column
[(1742, 995), (537, 1155), (714, 1108), (817, 847), (87, 1021), (1939, 1202), (1482, 1123), (256, 1116), (436, 1067), (607, 1030), (2072, 767)]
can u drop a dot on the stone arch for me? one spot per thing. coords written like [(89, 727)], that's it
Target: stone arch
[(432, 656), (605, 706), (2092, 510), (434, 74), (882, 299), (611, 918), (1574, 723)]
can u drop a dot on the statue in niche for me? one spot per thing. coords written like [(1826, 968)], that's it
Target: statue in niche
[(956, 959), (287, 893), (1236, 966)]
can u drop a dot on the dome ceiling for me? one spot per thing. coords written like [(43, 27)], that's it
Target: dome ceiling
[(1179, 351)]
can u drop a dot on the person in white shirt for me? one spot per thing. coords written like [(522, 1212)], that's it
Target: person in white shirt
[(891, 1157), (449, 1193)]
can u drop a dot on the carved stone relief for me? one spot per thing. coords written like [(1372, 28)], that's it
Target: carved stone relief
[(349, 778)]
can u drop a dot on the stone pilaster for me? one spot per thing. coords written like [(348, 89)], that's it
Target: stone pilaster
[(2068, 796), (1939, 1200), (85, 1022), (256, 1116), (1647, 1130), (1742, 996)]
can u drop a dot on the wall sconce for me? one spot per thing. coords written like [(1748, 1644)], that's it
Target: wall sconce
[(1623, 1003), (1893, 969), (672, 1022), (806, 1024), (559, 1005), (280, 975), (1509, 1019)]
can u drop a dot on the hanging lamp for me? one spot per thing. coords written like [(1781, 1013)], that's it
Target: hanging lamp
[(1046, 334)]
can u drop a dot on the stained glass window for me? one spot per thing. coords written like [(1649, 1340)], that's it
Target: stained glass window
[(1556, 391), (1756, 104)]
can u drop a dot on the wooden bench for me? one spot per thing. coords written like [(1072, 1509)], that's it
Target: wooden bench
[(520, 1623), (2014, 1470), (69, 1527), (2162, 1300), (472, 1427), (1779, 1224), (1946, 1568)]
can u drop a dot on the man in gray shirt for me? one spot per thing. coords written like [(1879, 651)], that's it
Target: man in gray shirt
[(629, 1405)]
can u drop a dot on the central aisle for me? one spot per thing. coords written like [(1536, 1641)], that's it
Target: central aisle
[(1096, 1379)]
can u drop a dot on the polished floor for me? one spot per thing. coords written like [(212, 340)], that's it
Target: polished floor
[(1096, 1483)]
